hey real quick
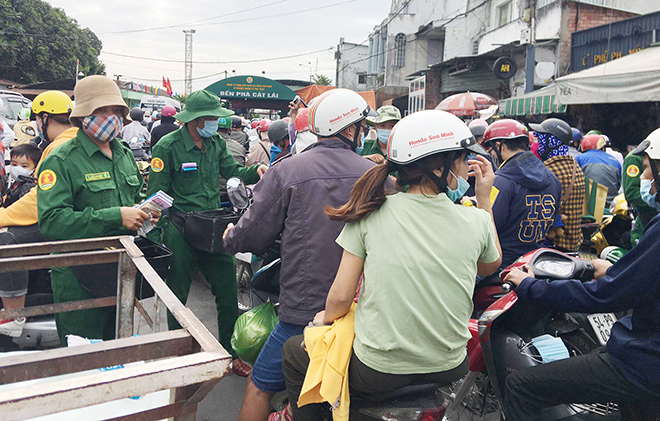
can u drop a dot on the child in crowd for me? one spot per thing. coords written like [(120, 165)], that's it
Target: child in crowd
[(24, 159)]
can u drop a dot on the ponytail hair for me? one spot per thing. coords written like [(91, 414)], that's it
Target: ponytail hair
[(367, 196), (369, 192)]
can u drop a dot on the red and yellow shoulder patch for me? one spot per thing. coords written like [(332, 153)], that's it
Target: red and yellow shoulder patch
[(632, 171), (47, 180), (157, 165)]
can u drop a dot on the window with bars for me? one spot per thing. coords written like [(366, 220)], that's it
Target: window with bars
[(400, 46)]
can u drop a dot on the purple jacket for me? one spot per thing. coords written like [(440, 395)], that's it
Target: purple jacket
[(290, 199)]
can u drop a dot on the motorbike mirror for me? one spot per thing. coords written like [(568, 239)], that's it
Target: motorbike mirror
[(237, 192)]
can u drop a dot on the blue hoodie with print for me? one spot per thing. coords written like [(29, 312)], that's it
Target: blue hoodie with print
[(525, 198)]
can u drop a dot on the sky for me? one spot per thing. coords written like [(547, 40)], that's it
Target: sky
[(227, 32)]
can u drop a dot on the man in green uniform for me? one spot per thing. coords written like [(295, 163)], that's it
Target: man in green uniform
[(376, 149), (632, 169), (187, 164), (87, 188)]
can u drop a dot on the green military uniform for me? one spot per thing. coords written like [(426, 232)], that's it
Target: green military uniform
[(633, 166), (80, 193), (370, 147), (198, 190)]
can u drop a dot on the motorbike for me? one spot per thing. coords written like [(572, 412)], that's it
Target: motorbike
[(509, 329), (257, 276), (502, 341), (39, 332)]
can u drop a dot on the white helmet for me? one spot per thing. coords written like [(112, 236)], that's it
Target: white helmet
[(429, 132), (650, 146), (336, 110)]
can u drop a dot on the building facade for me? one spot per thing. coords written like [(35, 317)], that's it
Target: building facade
[(352, 63), (450, 46)]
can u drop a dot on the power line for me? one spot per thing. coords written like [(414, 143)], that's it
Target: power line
[(129, 31), (295, 12), (217, 62)]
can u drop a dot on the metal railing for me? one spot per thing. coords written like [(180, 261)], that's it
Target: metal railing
[(190, 360)]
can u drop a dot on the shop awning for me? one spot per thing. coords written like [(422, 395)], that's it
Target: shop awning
[(633, 78), (541, 101)]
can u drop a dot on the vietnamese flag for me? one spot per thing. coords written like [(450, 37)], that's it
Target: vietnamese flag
[(170, 91)]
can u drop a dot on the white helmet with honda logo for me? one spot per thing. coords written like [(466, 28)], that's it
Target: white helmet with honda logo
[(336, 110), (429, 132)]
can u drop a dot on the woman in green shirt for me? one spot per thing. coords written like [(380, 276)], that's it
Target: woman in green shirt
[(419, 253)]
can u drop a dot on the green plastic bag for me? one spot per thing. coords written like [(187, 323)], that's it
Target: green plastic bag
[(251, 330)]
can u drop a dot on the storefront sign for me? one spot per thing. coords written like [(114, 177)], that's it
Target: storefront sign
[(505, 67)]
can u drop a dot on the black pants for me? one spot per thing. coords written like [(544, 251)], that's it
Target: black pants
[(15, 284), (591, 378), (362, 379)]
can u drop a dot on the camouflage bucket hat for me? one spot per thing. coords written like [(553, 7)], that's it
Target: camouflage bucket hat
[(385, 113)]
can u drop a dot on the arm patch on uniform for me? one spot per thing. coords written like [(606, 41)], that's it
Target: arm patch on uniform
[(157, 165), (47, 180), (632, 171)]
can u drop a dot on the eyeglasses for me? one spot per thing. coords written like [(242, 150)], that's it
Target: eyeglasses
[(470, 156)]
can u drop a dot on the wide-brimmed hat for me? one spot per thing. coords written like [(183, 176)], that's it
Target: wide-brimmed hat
[(202, 103), (385, 113), (92, 93)]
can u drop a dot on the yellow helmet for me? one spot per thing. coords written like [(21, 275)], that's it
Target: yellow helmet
[(52, 102)]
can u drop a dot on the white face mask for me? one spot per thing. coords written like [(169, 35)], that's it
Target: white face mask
[(15, 171)]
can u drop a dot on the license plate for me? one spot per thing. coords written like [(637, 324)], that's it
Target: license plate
[(602, 324)]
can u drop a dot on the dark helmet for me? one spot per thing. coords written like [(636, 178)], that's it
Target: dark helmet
[(137, 114), (556, 127), (236, 122), (278, 131), (577, 135), (478, 130)]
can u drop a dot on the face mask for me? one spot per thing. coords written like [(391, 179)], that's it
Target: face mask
[(384, 136), (550, 348), (645, 192), (463, 187), (103, 129), (15, 171), (39, 132), (209, 129)]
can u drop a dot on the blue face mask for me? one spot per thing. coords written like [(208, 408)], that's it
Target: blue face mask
[(645, 192), (384, 136), (550, 348), (359, 150), (210, 128), (463, 187)]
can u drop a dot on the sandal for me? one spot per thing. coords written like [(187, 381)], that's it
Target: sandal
[(241, 368), (283, 415)]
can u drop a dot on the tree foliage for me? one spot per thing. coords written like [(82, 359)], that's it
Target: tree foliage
[(321, 80), (40, 43)]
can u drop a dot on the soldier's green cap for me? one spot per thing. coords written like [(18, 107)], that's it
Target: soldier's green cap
[(202, 103)]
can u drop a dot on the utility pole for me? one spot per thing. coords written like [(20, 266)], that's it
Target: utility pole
[(188, 61), (338, 58), (530, 56)]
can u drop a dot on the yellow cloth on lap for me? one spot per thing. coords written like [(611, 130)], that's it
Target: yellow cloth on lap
[(326, 380)]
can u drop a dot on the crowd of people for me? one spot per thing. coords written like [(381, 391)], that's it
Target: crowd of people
[(410, 212)]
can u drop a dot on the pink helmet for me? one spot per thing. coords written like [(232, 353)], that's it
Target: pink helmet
[(255, 124), (264, 125), (478, 122), (302, 120), (168, 111)]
